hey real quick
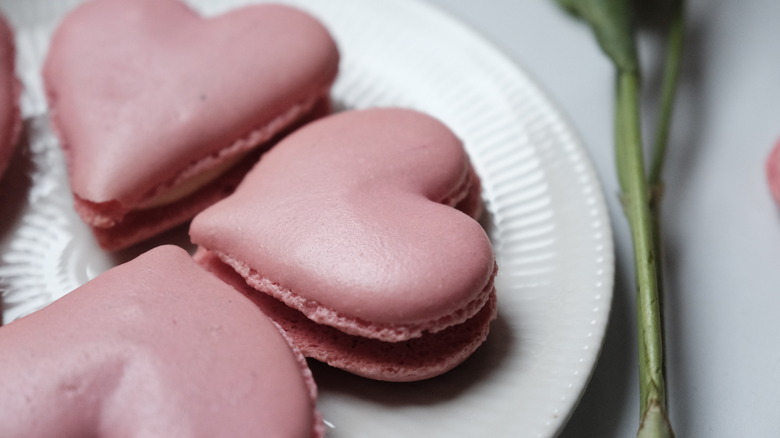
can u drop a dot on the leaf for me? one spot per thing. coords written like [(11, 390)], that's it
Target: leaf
[(612, 22)]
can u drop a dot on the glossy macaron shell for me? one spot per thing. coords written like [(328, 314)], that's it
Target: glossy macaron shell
[(143, 90), (344, 218), (156, 347)]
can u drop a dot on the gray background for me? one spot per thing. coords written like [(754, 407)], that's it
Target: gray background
[(721, 225)]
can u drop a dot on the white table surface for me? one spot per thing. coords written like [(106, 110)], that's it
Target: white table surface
[(722, 228)]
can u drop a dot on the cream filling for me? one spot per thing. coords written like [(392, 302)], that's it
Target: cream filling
[(198, 180), (191, 185)]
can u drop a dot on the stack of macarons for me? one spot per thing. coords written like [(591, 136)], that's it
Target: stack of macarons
[(347, 238), (348, 226), (159, 110)]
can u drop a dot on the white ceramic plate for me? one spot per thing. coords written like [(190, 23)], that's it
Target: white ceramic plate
[(546, 218)]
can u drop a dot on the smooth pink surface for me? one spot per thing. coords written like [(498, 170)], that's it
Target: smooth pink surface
[(156, 347), (345, 215), (143, 91), (772, 167), (10, 119)]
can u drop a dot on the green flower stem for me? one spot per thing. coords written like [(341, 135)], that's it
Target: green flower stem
[(654, 419), (612, 22), (671, 77), (636, 205)]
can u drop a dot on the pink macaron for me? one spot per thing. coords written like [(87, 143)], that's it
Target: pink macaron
[(351, 223), (159, 110), (156, 347), (772, 169), (10, 118)]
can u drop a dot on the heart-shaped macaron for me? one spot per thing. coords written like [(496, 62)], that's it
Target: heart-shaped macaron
[(10, 119), (156, 347), (154, 103), (772, 170), (350, 221)]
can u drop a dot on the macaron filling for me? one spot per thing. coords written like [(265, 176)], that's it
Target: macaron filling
[(190, 186), (195, 177)]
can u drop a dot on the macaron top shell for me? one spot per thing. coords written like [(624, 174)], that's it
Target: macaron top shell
[(156, 347), (346, 214), (141, 90)]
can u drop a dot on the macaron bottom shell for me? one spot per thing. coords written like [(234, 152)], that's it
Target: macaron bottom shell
[(415, 359)]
